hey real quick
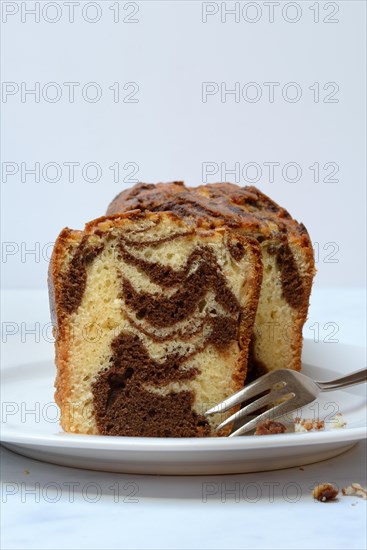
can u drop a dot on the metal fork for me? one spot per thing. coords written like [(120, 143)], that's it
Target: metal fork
[(294, 389)]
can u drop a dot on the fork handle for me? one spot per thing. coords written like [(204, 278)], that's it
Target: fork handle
[(345, 381)]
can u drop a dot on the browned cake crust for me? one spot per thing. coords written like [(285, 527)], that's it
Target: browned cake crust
[(119, 401), (285, 244), (219, 203)]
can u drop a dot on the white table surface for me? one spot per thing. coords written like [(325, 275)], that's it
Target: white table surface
[(52, 507)]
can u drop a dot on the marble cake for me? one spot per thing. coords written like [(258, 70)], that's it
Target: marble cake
[(153, 316), (287, 257)]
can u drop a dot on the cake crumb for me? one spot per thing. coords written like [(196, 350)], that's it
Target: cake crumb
[(338, 421), (26, 472), (355, 489), (325, 492), (270, 427), (308, 424)]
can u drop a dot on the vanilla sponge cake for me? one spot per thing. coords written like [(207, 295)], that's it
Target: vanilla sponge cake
[(286, 250), (153, 318)]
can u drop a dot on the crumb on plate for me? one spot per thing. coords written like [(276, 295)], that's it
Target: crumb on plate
[(270, 427), (308, 424), (338, 421)]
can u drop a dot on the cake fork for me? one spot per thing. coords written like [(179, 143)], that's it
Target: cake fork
[(293, 389)]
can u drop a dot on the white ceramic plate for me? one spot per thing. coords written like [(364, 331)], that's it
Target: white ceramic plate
[(30, 427)]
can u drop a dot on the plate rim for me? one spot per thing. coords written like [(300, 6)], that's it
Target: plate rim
[(171, 445)]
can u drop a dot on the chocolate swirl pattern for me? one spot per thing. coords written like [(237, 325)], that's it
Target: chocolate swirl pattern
[(133, 366), (287, 256), (176, 305)]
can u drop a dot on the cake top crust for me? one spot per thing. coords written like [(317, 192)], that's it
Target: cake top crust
[(246, 208)]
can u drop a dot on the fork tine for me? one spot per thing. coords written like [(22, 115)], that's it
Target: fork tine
[(280, 409), (255, 405), (252, 390)]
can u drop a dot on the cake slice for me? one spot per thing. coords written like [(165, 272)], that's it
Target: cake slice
[(287, 257), (154, 316)]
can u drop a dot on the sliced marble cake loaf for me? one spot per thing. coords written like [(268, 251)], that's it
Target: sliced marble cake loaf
[(153, 320), (287, 257)]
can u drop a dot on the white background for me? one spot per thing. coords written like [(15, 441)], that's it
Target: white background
[(170, 132)]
